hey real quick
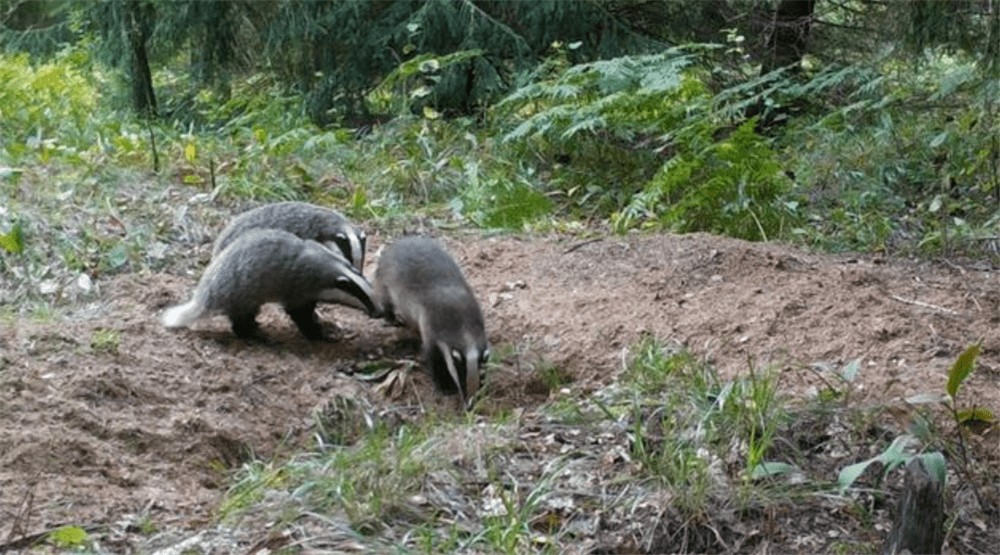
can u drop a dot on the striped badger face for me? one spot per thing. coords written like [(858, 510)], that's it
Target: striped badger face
[(348, 240), (350, 287), (307, 221), (450, 363)]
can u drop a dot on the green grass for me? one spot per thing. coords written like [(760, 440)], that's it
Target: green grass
[(105, 340), (474, 484)]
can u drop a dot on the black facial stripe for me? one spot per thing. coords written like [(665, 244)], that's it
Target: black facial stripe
[(351, 287), (344, 244)]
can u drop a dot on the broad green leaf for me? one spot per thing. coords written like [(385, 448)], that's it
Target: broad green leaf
[(977, 420), (430, 66), (939, 139), (935, 204), (431, 113), (936, 466), (68, 536), (851, 370), (981, 414), (190, 152), (893, 456), (13, 241), (359, 199), (962, 368), (849, 474), (927, 398), (118, 256), (766, 469)]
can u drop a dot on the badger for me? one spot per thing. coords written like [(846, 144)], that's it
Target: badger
[(419, 285), (272, 265), (307, 221)]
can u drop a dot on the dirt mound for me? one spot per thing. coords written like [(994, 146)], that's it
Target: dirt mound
[(114, 415)]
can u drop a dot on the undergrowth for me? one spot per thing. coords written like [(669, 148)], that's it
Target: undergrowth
[(670, 428), (650, 142), (469, 487)]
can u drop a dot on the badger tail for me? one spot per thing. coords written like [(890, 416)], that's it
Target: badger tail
[(183, 314)]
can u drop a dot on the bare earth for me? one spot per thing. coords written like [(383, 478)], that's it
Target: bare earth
[(93, 437)]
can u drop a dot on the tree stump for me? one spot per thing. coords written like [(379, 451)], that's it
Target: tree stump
[(918, 526)]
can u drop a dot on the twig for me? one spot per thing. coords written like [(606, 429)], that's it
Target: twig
[(954, 266), (581, 245), (922, 304), (22, 518)]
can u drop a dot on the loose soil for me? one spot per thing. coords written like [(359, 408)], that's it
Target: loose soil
[(105, 433)]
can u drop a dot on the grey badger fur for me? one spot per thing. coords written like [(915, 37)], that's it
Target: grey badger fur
[(272, 265), (307, 221), (418, 284)]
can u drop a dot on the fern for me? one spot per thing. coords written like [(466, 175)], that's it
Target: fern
[(734, 187), (403, 88), (37, 101), (601, 109), (626, 95)]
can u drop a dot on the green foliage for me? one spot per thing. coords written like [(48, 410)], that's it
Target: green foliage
[(974, 418), (901, 160), (368, 482), (415, 161), (625, 96), (69, 537), (961, 369), (499, 203), (412, 82), (13, 241), (733, 187), (106, 340), (685, 418), (895, 455), (509, 530), (43, 105), (757, 412), (584, 120)]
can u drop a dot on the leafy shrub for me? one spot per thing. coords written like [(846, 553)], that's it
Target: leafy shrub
[(502, 203), (594, 124), (40, 102), (734, 187), (621, 118), (899, 160)]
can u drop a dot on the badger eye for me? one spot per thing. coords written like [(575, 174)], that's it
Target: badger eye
[(456, 355)]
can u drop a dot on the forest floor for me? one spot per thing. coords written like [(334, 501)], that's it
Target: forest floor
[(112, 423)]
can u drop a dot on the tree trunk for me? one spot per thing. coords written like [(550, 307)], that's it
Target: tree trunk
[(919, 523), (789, 35), (785, 47), (137, 29)]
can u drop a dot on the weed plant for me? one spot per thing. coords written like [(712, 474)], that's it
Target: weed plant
[(687, 422)]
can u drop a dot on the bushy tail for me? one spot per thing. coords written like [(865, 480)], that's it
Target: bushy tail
[(182, 314)]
